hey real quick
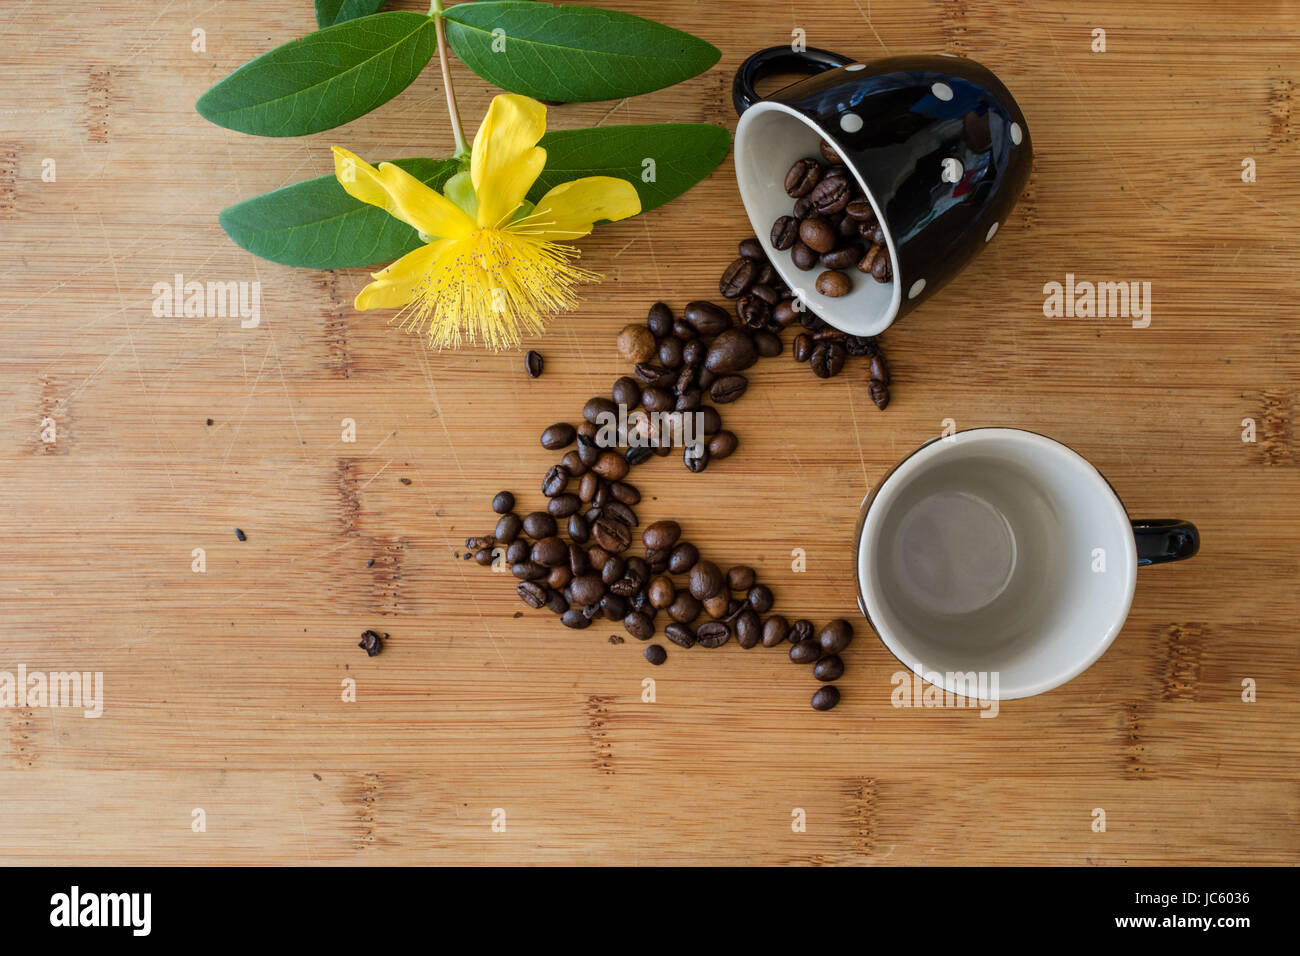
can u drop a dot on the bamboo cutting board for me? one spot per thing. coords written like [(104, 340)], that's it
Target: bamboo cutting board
[(223, 689)]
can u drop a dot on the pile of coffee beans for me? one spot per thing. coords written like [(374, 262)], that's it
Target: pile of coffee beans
[(580, 557), (832, 226)]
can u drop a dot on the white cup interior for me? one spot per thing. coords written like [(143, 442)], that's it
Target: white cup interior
[(980, 553), (769, 138)]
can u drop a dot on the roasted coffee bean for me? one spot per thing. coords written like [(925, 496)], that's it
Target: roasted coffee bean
[(803, 207), (518, 551), (556, 480), (662, 534), (879, 393), (860, 210), (684, 330), (623, 513), (655, 654), (588, 486), (775, 630), (882, 269), (650, 373), (829, 154), (706, 318), (598, 557), (722, 444), (559, 578), (712, 634), (835, 636), (693, 353), (597, 406), (639, 625), (801, 631), (879, 370), (529, 570), (592, 514), (611, 465), (706, 580), (803, 256), (785, 314), (817, 234), (833, 284), (868, 260), (575, 619), (842, 257), (831, 195), (748, 629), (587, 589), (573, 463), (532, 594), (578, 529), (705, 378), (626, 391), (661, 591), (696, 458), (503, 503), (613, 569), (557, 603), (508, 529), (752, 311), (586, 430), (802, 177), (534, 363), (683, 557), (784, 232), (538, 525), (760, 598), (712, 420), (615, 607), (588, 450), (558, 436), (811, 321), (688, 400), (805, 652), (551, 552), (638, 456), (860, 345), (663, 449), (827, 359), (768, 344), (482, 541), (591, 612), (660, 319), (685, 607), (829, 668), (680, 634), (751, 248), (741, 577), (848, 229), (565, 505), (483, 556), (767, 294), (622, 491), (657, 399), (636, 343), (579, 563), (826, 697), (728, 388), (612, 535), (732, 351), (738, 278), (718, 605), (671, 350), (687, 374)]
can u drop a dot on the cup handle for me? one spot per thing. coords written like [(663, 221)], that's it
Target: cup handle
[(1165, 539), (779, 59)]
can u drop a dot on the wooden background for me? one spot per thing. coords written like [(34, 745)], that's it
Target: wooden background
[(223, 688)]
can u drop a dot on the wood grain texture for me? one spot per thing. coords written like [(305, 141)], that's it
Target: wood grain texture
[(223, 689)]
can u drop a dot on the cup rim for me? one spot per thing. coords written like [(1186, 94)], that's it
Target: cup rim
[(934, 447), (764, 234)]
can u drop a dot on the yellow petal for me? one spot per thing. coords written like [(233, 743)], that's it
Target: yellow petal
[(401, 282), (571, 209), (506, 159), (401, 195)]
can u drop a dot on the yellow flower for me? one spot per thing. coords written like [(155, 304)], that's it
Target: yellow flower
[(491, 273)]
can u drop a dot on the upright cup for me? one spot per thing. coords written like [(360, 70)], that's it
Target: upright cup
[(1000, 551)]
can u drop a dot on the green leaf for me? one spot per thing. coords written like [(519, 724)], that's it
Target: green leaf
[(324, 79), (570, 53), (317, 225), (330, 12), (682, 154)]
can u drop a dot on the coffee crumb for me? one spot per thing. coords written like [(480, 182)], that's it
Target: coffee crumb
[(209, 421), (240, 534), (519, 613), (615, 639), (406, 481), (370, 563), (372, 642)]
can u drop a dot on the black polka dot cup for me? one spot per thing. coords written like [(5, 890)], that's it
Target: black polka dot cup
[(937, 144)]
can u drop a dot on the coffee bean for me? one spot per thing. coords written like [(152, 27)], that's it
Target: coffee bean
[(803, 346), (829, 154), (638, 456), (712, 420), (760, 598), (587, 589), (573, 463), (613, 569), (680, 634), (775, 630), (588, 486), (622, 491), (738, 278), (706, 318), (805, 652), (556, 480), (748, 629), (827, 359), (557, 603), (575, 619), (766, 294), (651, 373), (671, 351), (751, 248), (833, 283), (559, 578), (550, 552), (578, 529), (636, 343), (848, 229), (529, 570), (662, 534), (835, 636), (598, 557), (752, 311), (611, 465), (816, 233), (718, 605), (508, 529), (657, 399), (706, 580), (655, 654), (689, 400), (769, 344), (660, 320), (683, 557), (732, 351), (534, 363), (538, 525), (696, 458), (829, 668), (802, 177), (826, 697), (693, 353), (612, 535), (558, 436), (712, 634), (831, 195), (722, 444), (503, 503), (661, 591), (483, 556), (869, 259), (801, 631), (803, 256), (879, 370), (684, 330), (518, 552), (784, 232), (879, 393), (627, 392), (882, 269), (565, 505), (803, 207), (728, 388), (532, 594), (621, 512), (685, 607), (785, 314), (741, 577), (811, 321), (842, 257), (597, 406), (860, 345), (615, 607)]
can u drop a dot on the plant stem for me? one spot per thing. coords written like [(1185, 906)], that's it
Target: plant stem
[(462, 147)]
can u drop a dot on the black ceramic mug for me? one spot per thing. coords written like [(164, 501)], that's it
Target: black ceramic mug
[(937, 143)]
